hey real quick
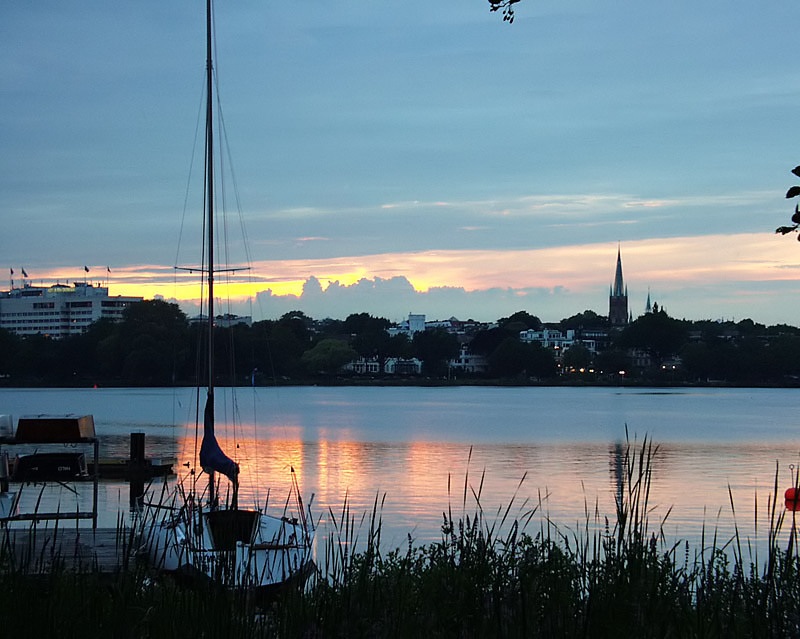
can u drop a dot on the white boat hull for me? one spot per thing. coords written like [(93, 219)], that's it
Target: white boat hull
[(248, 550)]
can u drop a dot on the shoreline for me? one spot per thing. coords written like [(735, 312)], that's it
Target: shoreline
[(422, 383)]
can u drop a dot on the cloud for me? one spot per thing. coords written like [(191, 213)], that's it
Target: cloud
[(692, 274), (394, 298), (374, 144), (698, 277)]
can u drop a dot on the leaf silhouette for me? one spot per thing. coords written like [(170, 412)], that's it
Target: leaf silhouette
[(793, 192), (783, 230), (796, 171)]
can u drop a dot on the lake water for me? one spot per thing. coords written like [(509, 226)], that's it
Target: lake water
[(418, 447)]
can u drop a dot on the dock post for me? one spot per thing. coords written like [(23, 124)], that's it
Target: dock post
[(3, 472), (136, 471)]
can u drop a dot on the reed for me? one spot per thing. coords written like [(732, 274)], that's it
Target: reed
[(44, 593), (512, 572), (500, 576)]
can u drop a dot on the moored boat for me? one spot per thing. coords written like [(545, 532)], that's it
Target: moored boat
[(187, 530)]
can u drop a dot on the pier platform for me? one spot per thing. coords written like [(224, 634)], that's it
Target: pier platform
[(122, 468), (41, 550)]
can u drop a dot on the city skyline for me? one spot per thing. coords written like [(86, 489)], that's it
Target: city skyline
[(618, 291), (414, 158)]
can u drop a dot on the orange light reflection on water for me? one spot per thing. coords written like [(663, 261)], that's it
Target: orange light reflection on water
[(571, 485), (265, 465)]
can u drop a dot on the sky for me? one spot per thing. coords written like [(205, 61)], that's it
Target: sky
[(410, 157)]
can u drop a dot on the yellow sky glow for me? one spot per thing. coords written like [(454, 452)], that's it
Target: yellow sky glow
[(710, 259)]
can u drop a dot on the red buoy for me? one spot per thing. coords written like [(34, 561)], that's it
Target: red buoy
[(792, 499)]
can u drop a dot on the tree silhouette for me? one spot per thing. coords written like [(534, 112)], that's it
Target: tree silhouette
[(657, 333), (793, 192), (434, 348), (507, 6), (328, 356)]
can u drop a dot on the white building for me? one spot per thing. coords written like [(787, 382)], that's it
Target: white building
[(548, 337), (414, 324), (223, 321), (364, 366), (397, 366), (552, 338), (60, 310), (468, 362)]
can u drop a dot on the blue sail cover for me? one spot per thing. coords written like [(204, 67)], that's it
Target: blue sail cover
[(211, 456)]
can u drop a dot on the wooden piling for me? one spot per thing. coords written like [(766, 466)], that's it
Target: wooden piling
[(137, 471)]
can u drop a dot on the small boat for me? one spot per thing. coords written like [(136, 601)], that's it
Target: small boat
[(43, 432), (187, 531)]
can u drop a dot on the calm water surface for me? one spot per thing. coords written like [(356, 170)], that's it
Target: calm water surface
[(556, 449)]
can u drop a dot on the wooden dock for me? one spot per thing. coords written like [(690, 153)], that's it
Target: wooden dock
[(40, 550), (122, 468), (41, 542)]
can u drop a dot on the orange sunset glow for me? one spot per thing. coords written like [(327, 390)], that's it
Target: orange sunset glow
[(661, 262), (416, 482), (261, 463)]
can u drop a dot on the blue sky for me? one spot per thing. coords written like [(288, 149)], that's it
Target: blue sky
[(397, 157)]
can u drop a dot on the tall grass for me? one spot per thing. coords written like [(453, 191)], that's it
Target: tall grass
[(492, 574), (497, 576), (47, 592)]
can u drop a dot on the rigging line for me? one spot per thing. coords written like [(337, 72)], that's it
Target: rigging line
[(193, 470), (224, 249), (224, 143), (226, 155), (257, 466), (221, 214), (201, 365), (182, 226), (200, 112), (253, 390)]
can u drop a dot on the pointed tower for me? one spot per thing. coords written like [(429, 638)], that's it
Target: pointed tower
[(618, 297)]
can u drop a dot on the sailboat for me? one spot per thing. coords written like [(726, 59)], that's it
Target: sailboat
[(188, 531)]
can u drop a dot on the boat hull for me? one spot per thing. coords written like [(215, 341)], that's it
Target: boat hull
[(270, 553)]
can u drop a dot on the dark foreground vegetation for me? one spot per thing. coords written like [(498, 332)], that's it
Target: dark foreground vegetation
[(155, 345), (487, 577)]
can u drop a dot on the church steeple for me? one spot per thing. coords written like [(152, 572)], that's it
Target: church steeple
[(618, 298), (619, 286)]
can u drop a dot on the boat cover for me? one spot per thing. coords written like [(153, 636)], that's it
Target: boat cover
[(211, 456)]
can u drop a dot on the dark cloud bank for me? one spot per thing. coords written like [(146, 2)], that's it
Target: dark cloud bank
[(396, 297)]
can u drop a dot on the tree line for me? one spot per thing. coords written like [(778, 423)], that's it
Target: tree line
[(156, 345)]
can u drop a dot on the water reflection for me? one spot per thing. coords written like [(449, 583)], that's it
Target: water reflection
[(566, 483), (431, 451)]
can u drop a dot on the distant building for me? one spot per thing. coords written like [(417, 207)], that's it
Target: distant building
[(364, 366), (223, 321), (60, 310), (556, 340), (414, 324), (468, 362), (399, 366), (618, 297)]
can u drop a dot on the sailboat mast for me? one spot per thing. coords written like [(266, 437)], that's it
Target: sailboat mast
[(212, 458), (210, 222)]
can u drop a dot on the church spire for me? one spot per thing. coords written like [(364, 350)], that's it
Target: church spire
[(618, 299), (619, 285)]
